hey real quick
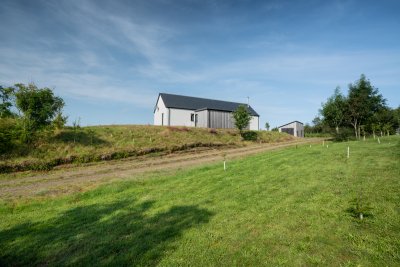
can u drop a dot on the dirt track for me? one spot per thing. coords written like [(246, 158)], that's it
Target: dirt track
[(73, 179)]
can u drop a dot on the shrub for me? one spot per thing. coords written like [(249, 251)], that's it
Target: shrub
[(250, 135), (344, 135), (7, 134)]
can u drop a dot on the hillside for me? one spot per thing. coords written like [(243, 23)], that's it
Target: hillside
[(297, 206), (96, 143)]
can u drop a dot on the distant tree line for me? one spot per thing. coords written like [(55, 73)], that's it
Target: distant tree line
[(363, 111), (26, 112)]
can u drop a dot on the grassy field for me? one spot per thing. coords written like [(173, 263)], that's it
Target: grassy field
[(96, 143), (293, 207)]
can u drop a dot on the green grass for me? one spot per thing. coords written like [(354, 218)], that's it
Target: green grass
[(290, 207), (98, 143)]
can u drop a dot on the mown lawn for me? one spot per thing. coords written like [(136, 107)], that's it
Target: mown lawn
[(288, 207)]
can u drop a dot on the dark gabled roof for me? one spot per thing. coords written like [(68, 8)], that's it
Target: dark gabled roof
[(289, 123), (196, 103)]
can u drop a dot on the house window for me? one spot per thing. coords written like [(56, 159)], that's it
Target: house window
[(191, 116)]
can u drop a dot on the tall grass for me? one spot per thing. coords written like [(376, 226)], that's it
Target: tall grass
[(96, 143)]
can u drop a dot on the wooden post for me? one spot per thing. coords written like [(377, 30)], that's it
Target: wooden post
[(379, 141), (348, 152), (224, 166)]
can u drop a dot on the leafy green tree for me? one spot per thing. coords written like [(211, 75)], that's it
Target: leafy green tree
[(39, 106), (362, 102), (384, 120), (6, 95), (396, 113), (242, 118), (267, 126), (333, 111)]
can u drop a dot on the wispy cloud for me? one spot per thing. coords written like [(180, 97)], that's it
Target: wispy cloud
[(127, 52)]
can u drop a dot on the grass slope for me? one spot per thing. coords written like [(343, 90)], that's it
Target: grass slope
[(289, 207), (97, 143)]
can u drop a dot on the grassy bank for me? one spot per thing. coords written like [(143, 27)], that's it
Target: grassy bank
[(294, 207), (98, 143)]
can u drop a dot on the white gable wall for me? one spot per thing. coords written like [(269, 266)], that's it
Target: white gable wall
[(159, 111)]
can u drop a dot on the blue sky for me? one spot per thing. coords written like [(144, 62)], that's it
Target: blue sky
[(110, 59)]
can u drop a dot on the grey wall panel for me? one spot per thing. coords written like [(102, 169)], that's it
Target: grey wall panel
[(221, 119)]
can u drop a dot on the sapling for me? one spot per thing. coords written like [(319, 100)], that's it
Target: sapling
[(91, 134), (361, 207), (76, 126)]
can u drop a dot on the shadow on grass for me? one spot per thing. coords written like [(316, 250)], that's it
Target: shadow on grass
[(114, 234), (81, 137)]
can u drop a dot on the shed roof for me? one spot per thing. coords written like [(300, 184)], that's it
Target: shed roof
[(197, 103), (289, 123)]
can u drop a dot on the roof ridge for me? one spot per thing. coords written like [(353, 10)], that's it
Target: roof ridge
[(194, 103), (206, 98)]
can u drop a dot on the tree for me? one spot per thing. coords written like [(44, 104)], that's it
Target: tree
[(38, 106), (6, 95), (267, 126), (384, 120), (333, 111), (242, 118), (362, 102)]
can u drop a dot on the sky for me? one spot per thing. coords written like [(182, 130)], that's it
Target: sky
[(109, 60)]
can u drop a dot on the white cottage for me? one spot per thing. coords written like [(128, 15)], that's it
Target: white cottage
[(295, 128), (178, 110)]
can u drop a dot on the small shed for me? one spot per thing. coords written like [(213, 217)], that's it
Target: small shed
[(294, 128)]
